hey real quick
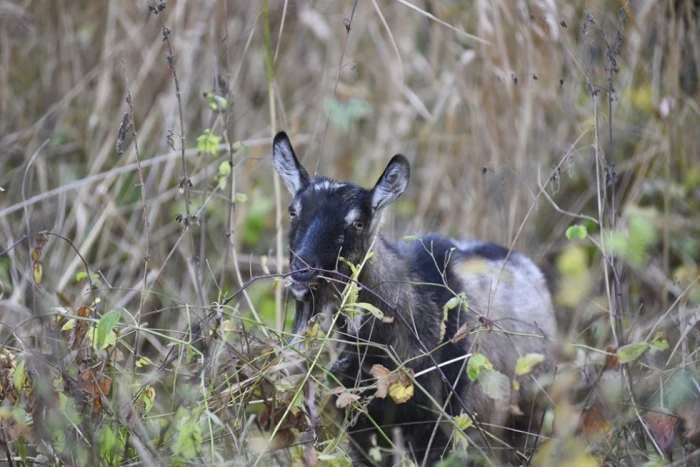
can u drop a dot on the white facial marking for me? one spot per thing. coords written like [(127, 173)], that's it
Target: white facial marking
[(298, 290), (296, 205), (351, 216), (327, 185)]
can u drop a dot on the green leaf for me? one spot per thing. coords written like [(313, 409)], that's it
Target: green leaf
[(241, 197), (659, 342), (631, 352), (189, 438), (576, 232), (216, 102), (526, 363), (410, 238), (371, 308), (451, 303), (108, 443), (463, 421), (496, 385), (224, 169), (20, 377), (148, 396), (143, 361), (80, 276), (70, 324), (208, 143), (477, 362), (105, 327)]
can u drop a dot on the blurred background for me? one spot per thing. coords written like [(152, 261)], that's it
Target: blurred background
[(505, 110)]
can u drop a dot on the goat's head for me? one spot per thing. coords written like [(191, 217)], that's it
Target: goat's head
[(331, 219)]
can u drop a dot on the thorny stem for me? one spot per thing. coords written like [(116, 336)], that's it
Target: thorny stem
[(185, 181), (146, 223)]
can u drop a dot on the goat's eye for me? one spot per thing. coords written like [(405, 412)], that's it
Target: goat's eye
[(358, 225), (292, 213)]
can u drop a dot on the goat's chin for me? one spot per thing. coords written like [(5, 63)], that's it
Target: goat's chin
[(299, 290)]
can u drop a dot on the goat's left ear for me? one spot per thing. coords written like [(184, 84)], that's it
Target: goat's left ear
[(392, 183)]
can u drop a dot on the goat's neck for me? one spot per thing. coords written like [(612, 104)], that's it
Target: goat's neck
[(386, 277)]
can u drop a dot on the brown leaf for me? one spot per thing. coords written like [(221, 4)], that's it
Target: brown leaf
[(663, 426), (461, 333), (691, 421), (295, 418), (96, 382), (594, 422), (384, 379), (283, 439), (611, 360), (346, 399), (80, 329), (397, 384)]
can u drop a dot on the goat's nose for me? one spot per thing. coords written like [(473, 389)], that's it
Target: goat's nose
[(302, 268)]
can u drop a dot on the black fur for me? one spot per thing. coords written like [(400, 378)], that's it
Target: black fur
[(410, 283)]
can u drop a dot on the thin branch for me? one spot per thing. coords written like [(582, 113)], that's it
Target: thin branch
[(146, 223), (185, 180)]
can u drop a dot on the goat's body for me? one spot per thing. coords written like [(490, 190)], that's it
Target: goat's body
[(509, 307)]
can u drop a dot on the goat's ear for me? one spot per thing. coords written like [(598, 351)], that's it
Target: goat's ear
[(293, 174), (392, 183)]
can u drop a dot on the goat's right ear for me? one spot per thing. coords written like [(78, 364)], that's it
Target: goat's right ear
[(293, 174), (392, 183)]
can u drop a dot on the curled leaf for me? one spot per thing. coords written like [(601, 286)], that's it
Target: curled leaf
[(659, 342), (631, 352), (525, 364), (345, 399)]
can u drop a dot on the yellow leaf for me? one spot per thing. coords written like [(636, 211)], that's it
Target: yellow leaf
[(69, 325), (573, 260), (526, 363), (38, 272), (401, 393), (463, 421)]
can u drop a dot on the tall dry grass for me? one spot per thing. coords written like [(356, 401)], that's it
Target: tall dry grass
[(505, 110)]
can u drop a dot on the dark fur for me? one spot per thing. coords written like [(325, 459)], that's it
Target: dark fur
[(411, 283)]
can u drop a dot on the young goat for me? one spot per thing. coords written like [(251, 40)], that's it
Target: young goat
[(508, 310)]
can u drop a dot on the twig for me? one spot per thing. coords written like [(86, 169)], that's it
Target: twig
[(185, 180), (146, 223)]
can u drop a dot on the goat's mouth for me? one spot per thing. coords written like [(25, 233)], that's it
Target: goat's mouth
[(300, 286)]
